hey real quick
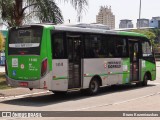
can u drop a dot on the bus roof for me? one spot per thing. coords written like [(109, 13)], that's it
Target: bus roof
[(95, 30), (69, 27)]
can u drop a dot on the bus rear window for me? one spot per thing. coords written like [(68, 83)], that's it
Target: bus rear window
[(25, 41)]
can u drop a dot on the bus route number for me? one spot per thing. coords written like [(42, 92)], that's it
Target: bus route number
[(33, 59), (59, 64)]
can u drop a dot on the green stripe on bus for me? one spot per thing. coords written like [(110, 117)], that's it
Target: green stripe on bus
[(60, 78), (91, 75)]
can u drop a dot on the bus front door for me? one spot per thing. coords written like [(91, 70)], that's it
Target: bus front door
[(74, 56), (134, 60)]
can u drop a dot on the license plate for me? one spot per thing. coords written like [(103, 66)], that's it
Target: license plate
[(23, 84)]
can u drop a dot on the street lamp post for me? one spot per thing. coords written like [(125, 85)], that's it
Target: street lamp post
[(139, 13)]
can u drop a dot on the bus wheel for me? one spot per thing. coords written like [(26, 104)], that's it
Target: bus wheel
[(145, 80), (30, 89), (93, 87)]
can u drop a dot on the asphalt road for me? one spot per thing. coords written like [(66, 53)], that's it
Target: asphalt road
[(120, 98)]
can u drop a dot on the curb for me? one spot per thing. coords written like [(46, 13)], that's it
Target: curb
[(22, 96), (20, 92)]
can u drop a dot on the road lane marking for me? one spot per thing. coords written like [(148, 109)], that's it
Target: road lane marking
[(116, 103), (156, 83)]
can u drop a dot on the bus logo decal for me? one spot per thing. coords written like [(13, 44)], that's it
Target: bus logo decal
[(14, 73), (22, 66), (114, 64), (14, 62), (143, 64), (125, 68)]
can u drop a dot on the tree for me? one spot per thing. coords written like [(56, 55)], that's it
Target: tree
[(156, 31), (1, 41), (15, 12), (151, 35)]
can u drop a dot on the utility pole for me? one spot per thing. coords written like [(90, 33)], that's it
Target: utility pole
[(79, 18)]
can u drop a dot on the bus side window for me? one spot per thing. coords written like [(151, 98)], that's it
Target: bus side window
[(95, 46), (111, 47), (146, 49), (57, 51), (117, 46), (121, 47), (57, 46)]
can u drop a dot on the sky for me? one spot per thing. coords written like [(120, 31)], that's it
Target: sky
[(122, 9)]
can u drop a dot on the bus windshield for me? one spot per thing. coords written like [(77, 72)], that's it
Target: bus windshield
[(25, 41)]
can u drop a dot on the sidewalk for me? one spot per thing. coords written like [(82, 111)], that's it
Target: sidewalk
[(158, 63), (20, 91)]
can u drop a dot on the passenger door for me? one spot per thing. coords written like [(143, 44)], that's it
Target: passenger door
[(74, 56), (134, 52)]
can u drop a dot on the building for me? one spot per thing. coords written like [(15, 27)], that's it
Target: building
[(142, 23), (125, 23), (156, 18), (155, 22), (106, 17)]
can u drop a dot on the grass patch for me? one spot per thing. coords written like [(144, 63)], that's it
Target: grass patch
[(3, 84)]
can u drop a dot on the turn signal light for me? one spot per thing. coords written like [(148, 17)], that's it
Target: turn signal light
[(44, 67)]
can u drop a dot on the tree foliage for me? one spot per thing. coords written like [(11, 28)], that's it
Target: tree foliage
[(15, 12), (1, 41), (156, 31), (79, 5)]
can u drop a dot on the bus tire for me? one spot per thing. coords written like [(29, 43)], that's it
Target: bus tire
[(30, 89), (145, 80), (93, 87)]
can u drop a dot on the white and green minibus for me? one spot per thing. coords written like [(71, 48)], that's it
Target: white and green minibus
[(63, 58)]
